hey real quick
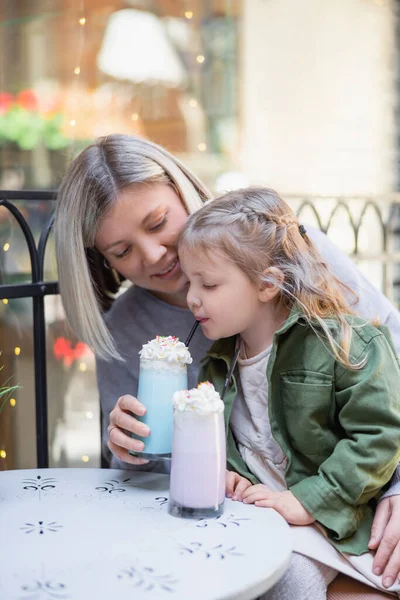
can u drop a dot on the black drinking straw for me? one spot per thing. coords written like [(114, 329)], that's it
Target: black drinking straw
[(191, 334), (230, 371)]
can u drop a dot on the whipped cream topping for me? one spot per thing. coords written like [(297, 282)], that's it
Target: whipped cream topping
[(167, 348), (203, 399)]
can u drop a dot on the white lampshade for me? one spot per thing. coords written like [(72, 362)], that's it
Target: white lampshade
[(136, 48)]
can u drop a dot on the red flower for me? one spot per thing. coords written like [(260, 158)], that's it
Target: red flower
[(27, 99), (63, 351), (6, 101), (61, 347), (80, 350)]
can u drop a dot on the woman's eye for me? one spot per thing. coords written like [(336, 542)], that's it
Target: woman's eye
[(209, 287), (159, 225), (124, 253)]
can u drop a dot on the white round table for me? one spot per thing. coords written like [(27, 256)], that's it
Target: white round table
[(93, 534)]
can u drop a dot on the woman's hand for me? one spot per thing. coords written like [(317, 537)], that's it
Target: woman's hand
[(235, 485), (285, 503), (385, 538), (121, 421)]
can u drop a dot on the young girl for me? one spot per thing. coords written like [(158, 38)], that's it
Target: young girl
[(315, 413)]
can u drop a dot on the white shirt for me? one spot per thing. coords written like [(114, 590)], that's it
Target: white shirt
[(251, 426)]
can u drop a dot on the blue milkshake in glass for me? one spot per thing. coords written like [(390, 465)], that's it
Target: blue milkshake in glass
[(163, 371)]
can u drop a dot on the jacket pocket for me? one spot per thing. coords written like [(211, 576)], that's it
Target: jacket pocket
[(307, 401)]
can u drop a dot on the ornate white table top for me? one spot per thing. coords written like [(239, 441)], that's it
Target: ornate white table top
[(89, 534)]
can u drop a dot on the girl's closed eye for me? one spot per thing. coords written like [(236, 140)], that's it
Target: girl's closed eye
[(209, 287)]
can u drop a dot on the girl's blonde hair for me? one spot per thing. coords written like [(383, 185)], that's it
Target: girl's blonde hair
[(88, 190), (256, 229)]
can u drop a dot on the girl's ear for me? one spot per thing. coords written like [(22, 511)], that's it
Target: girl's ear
[(270, 288)]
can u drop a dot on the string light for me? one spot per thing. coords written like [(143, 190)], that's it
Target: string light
[(6, 247), (85, 458), (82, 367), (13, 401), (189, 14), (77, 71), (5, 301), (135, 117), (89, 415), (3, 454), (202, 147), (193, 102), (17, 351), (200, 58)]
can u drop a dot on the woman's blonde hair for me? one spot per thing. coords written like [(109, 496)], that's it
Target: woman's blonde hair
[(256, 229), (88, 190)]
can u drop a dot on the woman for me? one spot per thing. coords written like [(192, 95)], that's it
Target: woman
[(119, 212)]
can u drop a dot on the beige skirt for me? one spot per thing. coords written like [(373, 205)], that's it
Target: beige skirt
[(312, 542)]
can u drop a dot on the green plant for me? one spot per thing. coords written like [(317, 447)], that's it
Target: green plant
[(6, 391), (25, 123)]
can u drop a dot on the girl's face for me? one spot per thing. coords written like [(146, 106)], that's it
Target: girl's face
[(138, 237), (221, 296)]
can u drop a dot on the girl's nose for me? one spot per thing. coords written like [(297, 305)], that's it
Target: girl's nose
[(193, 301)]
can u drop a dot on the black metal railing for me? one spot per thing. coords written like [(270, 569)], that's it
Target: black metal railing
[(37, 289), (387, 212)]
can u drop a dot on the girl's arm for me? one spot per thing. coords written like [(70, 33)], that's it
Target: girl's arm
[(368, 402)]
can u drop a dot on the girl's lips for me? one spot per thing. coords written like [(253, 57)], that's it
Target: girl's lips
[(202, 321), (172, 273)]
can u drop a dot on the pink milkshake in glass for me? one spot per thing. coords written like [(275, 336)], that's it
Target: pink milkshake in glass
[(198, 467)]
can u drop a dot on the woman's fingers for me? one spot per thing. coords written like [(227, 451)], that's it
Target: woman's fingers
[(392, 568), (122, 454), (119, 438), (131, 404), (387, 532), (122, 418), (381, 519), (122, 421)]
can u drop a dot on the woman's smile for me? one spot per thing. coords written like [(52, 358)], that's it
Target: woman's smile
[(170, 272)]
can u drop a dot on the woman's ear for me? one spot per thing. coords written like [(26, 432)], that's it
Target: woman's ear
[(270, 288)]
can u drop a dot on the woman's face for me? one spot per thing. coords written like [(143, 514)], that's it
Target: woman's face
[(138, 237)]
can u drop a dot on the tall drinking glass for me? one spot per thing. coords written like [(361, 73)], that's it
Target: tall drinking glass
[(163, 371), (198, 467)]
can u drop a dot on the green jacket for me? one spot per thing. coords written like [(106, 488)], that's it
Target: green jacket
[(339, 428)]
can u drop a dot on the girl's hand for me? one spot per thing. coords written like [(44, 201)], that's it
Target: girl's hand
[(121, 421), (235, 485), (285, 503)]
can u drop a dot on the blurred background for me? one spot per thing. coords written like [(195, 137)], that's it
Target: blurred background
[(299, 95)]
